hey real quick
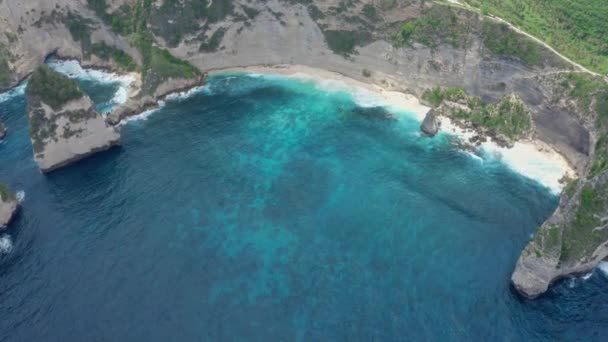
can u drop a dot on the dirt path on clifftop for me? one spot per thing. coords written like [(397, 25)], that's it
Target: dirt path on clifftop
[(466, 6)]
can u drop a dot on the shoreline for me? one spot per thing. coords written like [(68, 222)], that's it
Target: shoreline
[(517, 158)]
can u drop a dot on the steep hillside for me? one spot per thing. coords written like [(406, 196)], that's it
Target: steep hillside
[(578, 29)]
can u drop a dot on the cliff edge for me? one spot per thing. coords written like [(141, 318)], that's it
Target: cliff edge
[(64, 126), (572, 241)]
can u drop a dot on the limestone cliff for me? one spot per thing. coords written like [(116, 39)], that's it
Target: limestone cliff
[(64, 126), (572, 241), (8, 205)]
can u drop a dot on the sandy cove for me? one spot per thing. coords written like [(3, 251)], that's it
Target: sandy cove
[(523, 151)]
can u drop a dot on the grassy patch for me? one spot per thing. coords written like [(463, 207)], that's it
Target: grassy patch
[(503, 41), (437, 25), (54, 89), (106, 52), (577, 29), (344, 42)]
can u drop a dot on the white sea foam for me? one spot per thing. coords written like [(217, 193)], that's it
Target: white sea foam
[(20, 196), (525, 158), (185, 94), (6, 244), (73, 69), (603, 268), (16, 91), (143, 116)]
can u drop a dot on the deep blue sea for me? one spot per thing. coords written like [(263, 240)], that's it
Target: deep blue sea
[(271, 209)]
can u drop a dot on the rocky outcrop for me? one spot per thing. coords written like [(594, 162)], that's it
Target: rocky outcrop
[(2, 130), (64, 125), (572, 241), (8, 205), (139, 104), (430, 124)]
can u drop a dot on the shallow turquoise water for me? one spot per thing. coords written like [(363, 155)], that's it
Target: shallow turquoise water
[(263, 208)]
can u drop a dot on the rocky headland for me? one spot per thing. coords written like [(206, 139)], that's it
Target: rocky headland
[(471, 69), (64, 126), (8, 205)]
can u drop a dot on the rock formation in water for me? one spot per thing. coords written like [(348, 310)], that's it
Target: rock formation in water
[(392, 43), (8, 205), (430, 124), (64, 126), (2, 130)]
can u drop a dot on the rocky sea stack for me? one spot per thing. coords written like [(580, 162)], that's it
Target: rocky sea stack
[(64, 126), (8, 205), (430, 124), (2, 131)]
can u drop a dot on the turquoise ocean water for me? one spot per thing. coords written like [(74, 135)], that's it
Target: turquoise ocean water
[(269, 209)]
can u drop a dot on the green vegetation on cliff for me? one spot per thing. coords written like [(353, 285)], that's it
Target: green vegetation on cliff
[(5, 70), (577, 29), (6, 194), (503, 41), (591, 96), (80, 29), (344, 42), (106, 52), (590, 226), (508, 117), (437, 25), (54, 89), (159, 64)]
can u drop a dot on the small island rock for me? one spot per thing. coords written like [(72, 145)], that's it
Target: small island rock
[(430, 124), (64, 125), (8, 205)]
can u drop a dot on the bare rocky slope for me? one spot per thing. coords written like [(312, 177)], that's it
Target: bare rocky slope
[(404, 45)]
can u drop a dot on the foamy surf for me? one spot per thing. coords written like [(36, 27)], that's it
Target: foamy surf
[(603, 268), (143, 116), (531, 159), (20, 196), (73, 69), (16, 91), (6, 244)]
